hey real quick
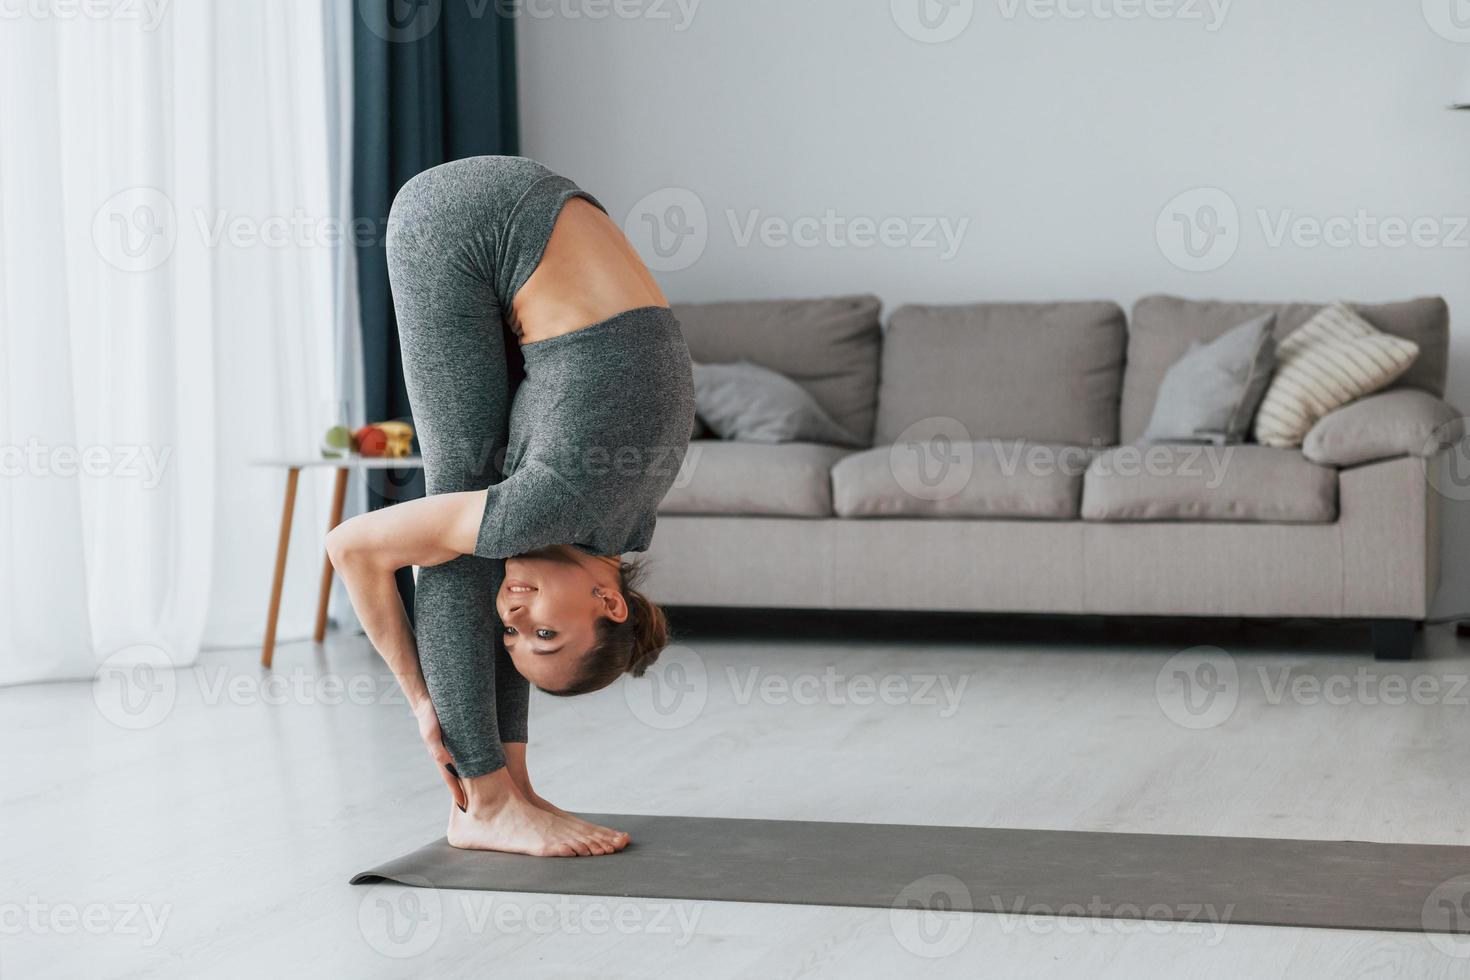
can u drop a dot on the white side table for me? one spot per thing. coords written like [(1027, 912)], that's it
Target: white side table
[(293, 467)]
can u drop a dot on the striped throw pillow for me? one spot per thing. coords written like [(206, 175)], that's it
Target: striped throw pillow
[(1333, 358)]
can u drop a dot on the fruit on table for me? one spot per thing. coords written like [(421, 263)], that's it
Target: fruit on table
[(371, 441), (337, 442), (390, 439), (400, 438)]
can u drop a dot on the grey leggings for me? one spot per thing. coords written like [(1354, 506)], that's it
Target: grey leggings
[(462, 239)]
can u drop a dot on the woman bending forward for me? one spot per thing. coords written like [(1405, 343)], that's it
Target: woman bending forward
[(536, 490)]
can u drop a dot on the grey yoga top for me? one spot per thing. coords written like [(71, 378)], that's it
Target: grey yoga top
[(598, 432)]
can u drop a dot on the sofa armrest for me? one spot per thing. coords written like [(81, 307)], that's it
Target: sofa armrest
[(1402, 422)]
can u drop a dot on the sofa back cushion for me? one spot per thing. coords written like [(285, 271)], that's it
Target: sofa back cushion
[(1162, 328), (828, 346), (1048, 372)]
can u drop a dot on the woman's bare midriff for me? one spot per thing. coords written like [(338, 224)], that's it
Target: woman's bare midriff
[(588, 273)]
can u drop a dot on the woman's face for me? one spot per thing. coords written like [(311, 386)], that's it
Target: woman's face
[(549, 606)]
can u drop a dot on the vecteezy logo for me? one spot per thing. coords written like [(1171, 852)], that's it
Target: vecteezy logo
[(932, 917), (1450, 19), (1199, 230), (932, 21), (673, 692), (1446, 917), (135, 687), (669, 228), (1448, 473), (1199, 687), (400, 21), (933, 459), (135, 230), (398, 920)]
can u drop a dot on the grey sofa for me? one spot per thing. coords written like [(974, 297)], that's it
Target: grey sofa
[(1005, 472)]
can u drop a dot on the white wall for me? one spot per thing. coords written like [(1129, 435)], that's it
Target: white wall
[(1061, 139)]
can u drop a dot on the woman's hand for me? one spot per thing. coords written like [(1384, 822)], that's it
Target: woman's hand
[(433, 739), (366, 551)]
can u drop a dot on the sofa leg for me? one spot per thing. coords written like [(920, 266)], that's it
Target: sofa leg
[(1393, 639)]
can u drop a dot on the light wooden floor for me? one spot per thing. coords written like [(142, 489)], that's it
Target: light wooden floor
[(218, 841)]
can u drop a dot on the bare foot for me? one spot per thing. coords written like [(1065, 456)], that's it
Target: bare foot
[(515, 767), (616, 839), (514, 825)]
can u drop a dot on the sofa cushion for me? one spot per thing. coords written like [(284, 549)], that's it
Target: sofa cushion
[(990, 478), (1392, 423), (1162, 328), (1334, 358), (1049, 372), (1211, 393), (828, 346), (792, 479), (749, 403), (1165, 482)]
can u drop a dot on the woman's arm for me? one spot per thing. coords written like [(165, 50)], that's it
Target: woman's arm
[(368, 549)]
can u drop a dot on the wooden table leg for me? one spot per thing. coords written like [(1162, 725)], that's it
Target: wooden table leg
[(339, 497), (268, 650)]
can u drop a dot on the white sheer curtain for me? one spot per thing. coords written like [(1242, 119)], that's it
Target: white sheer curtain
[(169, 297)]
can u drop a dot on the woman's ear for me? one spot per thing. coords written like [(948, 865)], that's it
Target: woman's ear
[(614, 606)]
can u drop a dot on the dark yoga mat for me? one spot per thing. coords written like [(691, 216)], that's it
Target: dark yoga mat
[(1213, 880)]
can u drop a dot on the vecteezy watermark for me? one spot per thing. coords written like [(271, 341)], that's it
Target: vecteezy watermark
[(1363, 686), (135, 230), (404, 920), (406, 21), (1101, 917), (1446, 917), (677, 461), (1210, 14), (1362, 229), (222, 685), (148, 14), (1450, 19), (672, 693), (145, 464), (569, 916), (1448, 473), (401, 919), (135, 688), (403, 21), (1201, 229), (38, 917), (1201, 687), (830, 687), (935, 459), (679, 14), (1206, 463), (938, 233), (676, 689), (138, 229), (932, 21), (932, 917), (669, 228), (1198, 688)]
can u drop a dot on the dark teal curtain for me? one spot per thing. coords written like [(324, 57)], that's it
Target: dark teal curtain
[(433, 81)]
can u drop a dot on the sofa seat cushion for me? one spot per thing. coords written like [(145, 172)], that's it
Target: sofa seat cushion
[(1174, 482), (792, 479), (993, 478)]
